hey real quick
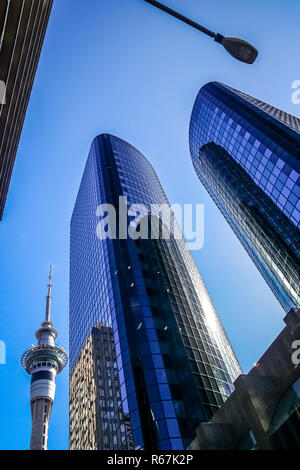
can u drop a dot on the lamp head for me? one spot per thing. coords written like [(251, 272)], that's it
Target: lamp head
[(238, 48)]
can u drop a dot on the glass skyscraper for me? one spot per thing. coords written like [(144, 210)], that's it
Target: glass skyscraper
[(171, 360), (247, 155)]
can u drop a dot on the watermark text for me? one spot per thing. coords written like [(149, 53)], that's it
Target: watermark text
[(2, 92), (159, 221), (2, 353), (296, 353), (296, 93)]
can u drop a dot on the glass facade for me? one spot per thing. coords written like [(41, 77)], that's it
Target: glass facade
[(174, 363), (246, 154)]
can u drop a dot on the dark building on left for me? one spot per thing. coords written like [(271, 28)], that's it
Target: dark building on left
[(23, 25)]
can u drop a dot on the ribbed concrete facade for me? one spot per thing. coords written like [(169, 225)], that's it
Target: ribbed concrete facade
[(263, 413), (23, 25), (40, 415)]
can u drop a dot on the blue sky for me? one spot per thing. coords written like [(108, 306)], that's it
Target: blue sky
[(121, 66)]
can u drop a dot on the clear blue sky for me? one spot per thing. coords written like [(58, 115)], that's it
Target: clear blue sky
[(121, 66)]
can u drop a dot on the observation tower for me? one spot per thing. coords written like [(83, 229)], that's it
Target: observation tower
[(43, 362)]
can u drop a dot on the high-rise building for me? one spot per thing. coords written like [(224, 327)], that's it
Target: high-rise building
[(23, 25), (247, 155), (43, 362), (171, 360), (96, 420)]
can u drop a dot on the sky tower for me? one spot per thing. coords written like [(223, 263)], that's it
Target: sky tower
[(43, 362)]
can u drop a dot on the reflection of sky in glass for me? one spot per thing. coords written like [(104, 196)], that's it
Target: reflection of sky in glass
[(264, 171), (269, 164), (99, 291)]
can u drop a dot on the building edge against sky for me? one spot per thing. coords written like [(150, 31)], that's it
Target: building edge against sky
[(91, 385), (174, 363), (246, 153), (23, 25)]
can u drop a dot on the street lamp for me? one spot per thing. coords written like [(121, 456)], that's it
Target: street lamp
[(239, 49)]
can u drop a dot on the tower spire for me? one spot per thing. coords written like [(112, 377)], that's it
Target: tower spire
[(48, 304)]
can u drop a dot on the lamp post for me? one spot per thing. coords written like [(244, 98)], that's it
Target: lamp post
[(238, 48)]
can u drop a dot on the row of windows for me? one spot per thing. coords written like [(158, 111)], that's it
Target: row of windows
[(104, 290), (212, 120)]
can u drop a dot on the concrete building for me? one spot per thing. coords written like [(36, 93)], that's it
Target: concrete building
[(97, 421), (23, 25), (264, 410), (43, 362)]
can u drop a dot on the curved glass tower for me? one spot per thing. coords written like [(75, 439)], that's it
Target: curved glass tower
[(172, 362), (247, 155)]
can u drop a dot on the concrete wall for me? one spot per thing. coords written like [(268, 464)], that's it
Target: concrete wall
[(252, 405)]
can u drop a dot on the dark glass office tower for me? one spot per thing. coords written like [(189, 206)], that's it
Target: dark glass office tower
[(247, 155), (174, 363)]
